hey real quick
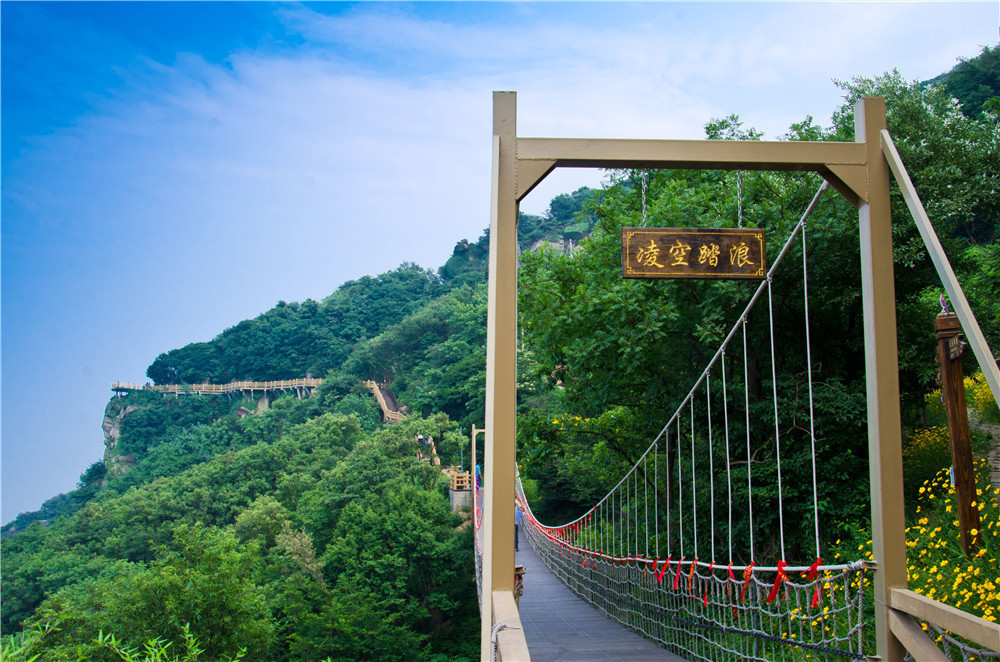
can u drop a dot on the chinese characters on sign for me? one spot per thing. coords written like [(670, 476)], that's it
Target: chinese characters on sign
[(693, 253)]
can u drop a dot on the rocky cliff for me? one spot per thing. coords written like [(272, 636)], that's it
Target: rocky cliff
[(114, 414)]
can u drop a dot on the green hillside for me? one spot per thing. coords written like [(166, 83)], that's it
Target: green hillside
[(307, 529), (337, 542), (975, 83)]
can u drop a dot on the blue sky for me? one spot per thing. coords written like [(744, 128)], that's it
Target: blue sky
[(169, 169)]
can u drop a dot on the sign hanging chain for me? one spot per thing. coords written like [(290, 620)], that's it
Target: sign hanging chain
[(643, 198), (739, 198)]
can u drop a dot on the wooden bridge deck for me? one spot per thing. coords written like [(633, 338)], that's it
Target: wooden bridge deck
[(560, 627)]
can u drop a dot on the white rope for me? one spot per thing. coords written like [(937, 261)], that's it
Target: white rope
[(711, 464), (622, 523), (680, 492), (627, 513), (694, 485), (746, 393), (493, 638), (777, 428), (812, 416), (729, 475), (618, 530), (656, 498), (635, 473), (645, 508), (625, 520)]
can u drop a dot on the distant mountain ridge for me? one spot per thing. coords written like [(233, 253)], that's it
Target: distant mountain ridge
[(975, 82), (293, 340)]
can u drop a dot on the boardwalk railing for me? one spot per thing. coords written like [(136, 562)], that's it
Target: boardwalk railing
[(231, 387), (460, 481), (390, 415), (905, 605)]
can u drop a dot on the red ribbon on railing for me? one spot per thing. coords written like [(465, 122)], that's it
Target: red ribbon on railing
[(811, 576), (747, 574), (655, 563), (694, 564), (663, 570), (780, 577), (704, 596), (677, 577), (729, 586)]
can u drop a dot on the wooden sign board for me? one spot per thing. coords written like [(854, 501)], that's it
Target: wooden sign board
[(720, 253)]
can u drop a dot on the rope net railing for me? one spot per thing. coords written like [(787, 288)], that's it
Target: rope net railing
[(954, 648), (672, 553)]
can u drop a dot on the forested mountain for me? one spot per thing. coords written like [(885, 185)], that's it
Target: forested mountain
[(307, 529), (975, 82), (336, 541), (293, 339)]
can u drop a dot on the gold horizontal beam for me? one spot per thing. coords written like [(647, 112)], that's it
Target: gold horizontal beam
[(843, 164), (947, 617), (914, 639)]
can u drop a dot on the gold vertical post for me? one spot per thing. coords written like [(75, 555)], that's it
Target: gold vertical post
[(501, 366), (882, 370)]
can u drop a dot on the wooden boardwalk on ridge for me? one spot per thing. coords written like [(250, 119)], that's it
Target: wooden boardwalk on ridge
[(560, 627)]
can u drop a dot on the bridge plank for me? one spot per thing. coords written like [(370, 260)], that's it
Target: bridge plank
[(560, 627)]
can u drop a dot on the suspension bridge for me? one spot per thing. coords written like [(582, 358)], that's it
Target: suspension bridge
[(670, 553)]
